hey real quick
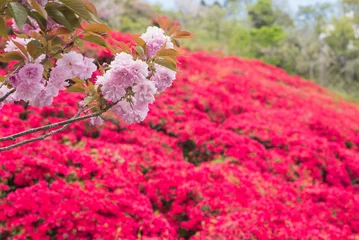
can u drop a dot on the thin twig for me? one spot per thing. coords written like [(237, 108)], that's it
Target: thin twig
[(42, 137), (46, 127), (3, 98)]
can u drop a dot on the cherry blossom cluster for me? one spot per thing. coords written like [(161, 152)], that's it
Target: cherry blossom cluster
[(129, 82), (29, 81)]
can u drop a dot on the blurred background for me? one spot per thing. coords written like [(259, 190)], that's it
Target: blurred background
[(316, 39)]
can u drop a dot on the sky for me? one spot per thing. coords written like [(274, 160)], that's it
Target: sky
[(294, 4)]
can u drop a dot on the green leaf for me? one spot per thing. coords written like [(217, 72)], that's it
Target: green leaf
[(21, 35), (61, 31), (140, 51), (88, 100), (39, 19), (163, 22), (79, 81), (98, 27), (90, 7), (10, 56), (166, 63), (79, 8), (34, 49), (55, 42), (19, 13), (140, 42), (76, 88), (48, 64), (40, 9), (90, 87), (80, 44), (100, 67), (21, 47), (97, 40), (176, 42), (183, 34), (70, 16), (53, 9), (3, 28), (167, 52), (174, 29)]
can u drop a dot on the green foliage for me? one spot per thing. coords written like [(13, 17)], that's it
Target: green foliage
[(267, 36), (128, 24), (319, 42), (262, 14)]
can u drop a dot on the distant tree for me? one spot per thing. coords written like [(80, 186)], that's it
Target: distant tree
[(262, 13)]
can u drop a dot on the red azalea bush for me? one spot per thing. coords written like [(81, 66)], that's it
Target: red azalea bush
[(236, 149)]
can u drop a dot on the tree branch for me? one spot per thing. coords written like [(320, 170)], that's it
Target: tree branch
[(3, 98), (46, 127), (68, 45), (42, 137)]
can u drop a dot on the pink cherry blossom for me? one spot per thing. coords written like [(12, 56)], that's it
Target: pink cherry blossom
[(87, 69), (131, 112), (72, 62), (155, 39), (27, 92), (31, 73), (14, 80), (77, 65), (124, 73), (44, 98), (96, 121), (163, 78), (144, 92)]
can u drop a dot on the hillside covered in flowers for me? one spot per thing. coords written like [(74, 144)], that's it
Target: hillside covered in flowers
[(235, 149)]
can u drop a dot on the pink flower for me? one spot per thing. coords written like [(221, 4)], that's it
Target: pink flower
[(113, 92), (122, 59), (28, 92), (96, 121), (87, 69), (124, 73), (72, 62), (155, 39), (163, 78), (144, 92), (31, 73), (14, 80), (44, 98), (77, 65), (131, 112)]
